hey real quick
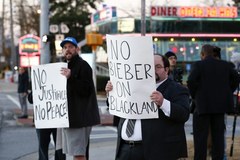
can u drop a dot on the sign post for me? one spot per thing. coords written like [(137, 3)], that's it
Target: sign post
[(94, 40), (61, 29)]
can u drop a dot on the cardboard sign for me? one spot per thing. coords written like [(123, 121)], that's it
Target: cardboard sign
[(132, 73), (49, 96)]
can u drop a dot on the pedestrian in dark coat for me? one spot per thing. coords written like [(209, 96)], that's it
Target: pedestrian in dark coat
[(23, 84), (211, 83)]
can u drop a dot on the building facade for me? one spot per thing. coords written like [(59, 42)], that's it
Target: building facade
[(181, 29)]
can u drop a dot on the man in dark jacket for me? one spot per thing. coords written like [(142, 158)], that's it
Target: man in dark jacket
[(162, 138), (211, 83), (82, 102)]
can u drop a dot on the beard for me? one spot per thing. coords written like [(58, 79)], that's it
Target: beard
[(69, 55), (157, 78)]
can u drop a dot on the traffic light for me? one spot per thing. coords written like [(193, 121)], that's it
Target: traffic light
[(94, 39), (46, 38)]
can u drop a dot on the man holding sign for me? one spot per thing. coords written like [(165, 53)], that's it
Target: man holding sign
[(152, 138), (82, 101)]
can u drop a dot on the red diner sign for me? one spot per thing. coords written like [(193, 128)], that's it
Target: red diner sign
[(29, 44), (196, 12)]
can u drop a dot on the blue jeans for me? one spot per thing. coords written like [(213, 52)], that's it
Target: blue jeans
[(23, 103)]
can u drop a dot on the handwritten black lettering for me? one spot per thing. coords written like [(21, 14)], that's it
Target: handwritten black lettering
[(133, 108), (126, 72), (114, 50), (57, 110), (50, 111), (123, 48), (39, 79), (52, 94), (123, 89), (40, 113)]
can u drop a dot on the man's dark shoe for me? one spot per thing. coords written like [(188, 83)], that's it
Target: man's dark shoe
[(23, 116)]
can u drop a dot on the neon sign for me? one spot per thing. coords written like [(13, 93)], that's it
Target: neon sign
[(106, 13), (28, 61), (196, 12), (29, 44)]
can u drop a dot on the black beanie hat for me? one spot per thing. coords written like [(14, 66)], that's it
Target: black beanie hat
[(169, 54)]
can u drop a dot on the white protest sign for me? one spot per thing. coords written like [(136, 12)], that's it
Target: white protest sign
[(49, 96), (132, 73)]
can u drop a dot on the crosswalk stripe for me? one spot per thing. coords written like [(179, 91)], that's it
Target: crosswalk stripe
[(13, 100), (101, 136), (105, 128)]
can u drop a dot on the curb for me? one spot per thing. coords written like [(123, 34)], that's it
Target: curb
[(34, 155)]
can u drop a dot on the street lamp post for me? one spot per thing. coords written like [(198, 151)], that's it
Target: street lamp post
[(44, 30), (143, 18)]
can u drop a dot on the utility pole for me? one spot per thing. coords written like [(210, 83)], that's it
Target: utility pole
[(44, 30), (13, 48), (143, 18)]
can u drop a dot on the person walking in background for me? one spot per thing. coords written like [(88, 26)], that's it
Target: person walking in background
[(162, 138), (211, 83), (83, 109), (44, 139), (175, 72), (23, 84)]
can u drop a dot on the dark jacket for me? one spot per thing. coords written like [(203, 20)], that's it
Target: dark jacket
[(23, 82), (211, 83), (164, 138), (30, 97), (82, 102)]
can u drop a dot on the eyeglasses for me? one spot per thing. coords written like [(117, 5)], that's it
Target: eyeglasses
[(158, 66)]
